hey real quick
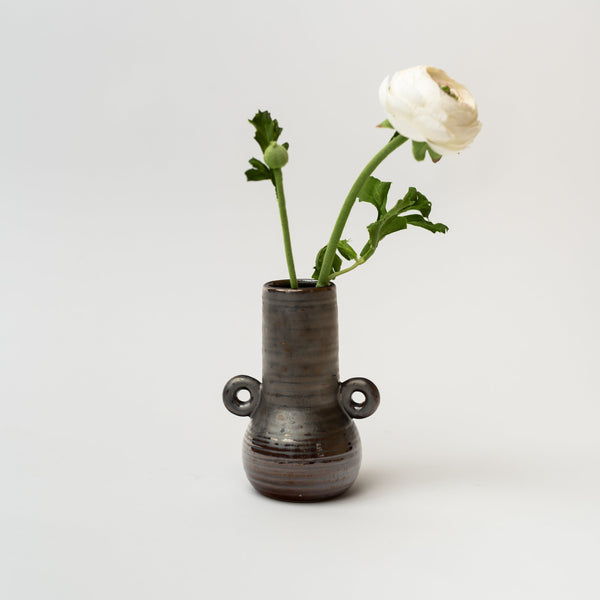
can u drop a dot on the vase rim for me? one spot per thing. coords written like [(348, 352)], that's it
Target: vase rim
[(305, 286)]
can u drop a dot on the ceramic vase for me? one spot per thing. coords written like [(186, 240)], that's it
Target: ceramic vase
[(301, 444)]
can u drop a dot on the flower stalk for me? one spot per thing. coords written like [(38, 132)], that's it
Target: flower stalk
[(423, 104), (287, 242), (338, 228)]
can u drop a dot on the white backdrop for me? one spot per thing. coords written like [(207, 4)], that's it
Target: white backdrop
[(132, 257)]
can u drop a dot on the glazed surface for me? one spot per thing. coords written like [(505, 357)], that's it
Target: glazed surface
[(300, 444)]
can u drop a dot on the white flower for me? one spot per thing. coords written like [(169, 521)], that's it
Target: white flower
[(425, 105)]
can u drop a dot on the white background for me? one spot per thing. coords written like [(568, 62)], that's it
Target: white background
[(132, 257)]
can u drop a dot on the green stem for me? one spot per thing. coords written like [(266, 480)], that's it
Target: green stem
[(287, 243), (358, 262), (338, 228), (361, 260)]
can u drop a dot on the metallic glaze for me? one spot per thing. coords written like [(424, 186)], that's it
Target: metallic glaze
[(301, 444)]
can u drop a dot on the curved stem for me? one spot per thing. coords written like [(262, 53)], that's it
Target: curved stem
[(338, 228), (287, 243), (358, 262), (361, 260)]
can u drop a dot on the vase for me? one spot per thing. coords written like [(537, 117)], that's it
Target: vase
[(301, 444)]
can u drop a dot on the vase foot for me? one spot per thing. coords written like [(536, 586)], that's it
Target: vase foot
[(303, 498)]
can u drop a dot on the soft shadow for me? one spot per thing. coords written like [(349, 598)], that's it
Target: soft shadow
[(382, 480)]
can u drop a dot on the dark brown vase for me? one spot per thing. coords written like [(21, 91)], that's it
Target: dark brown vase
[(301, 444)]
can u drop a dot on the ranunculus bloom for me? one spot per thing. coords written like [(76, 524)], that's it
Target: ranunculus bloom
[(425, 105)]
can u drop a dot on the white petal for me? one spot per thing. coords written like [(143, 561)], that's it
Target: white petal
[(406, 127), (404, 85), (419, 109), (431, 128), (398, 106), (383, 92)]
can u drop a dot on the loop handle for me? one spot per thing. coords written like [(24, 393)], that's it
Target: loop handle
[(359, 410), (230, 395)]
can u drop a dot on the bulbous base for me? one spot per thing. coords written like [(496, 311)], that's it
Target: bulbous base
[(310, 467)]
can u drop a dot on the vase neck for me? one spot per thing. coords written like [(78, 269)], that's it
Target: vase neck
[(300, 346)]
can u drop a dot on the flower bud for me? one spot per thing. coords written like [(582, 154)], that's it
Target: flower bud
[(276, 156)]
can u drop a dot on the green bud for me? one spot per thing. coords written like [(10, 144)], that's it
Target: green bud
[(276, 156), (446, 88)]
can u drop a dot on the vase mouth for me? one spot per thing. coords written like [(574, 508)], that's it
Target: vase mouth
[(304, 286)]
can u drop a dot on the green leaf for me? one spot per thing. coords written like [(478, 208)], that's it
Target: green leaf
[(319, 262), (267, 129), (435, 157), (337, 263), (385, 125), (346, 250), (419, 221), (388, 224), (393, 220), (375, 192), (421, 204), (413, 200), (419, 150), (406, 203), (390, 221), (259, 172), (391, 225)]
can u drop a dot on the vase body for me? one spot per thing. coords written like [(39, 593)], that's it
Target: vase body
[(301, 444)]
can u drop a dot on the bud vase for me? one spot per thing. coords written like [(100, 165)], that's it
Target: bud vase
[(301, 444)]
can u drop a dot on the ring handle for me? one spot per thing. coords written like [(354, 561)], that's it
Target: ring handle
[(242, 408), (354, 409)]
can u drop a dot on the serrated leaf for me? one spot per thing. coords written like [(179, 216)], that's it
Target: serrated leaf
[(255, 175), (267, 128), (421, 204), (375, 192), (388, 224), (391, 225), (390, 221), (346, 250), (419, 150), (385, 125), (393, 220), (409, 200), (419, 221), (337, 263), (406, 203), (413, 200), (259, 172)]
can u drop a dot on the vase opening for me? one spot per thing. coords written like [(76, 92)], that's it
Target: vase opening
[(303, 284)]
